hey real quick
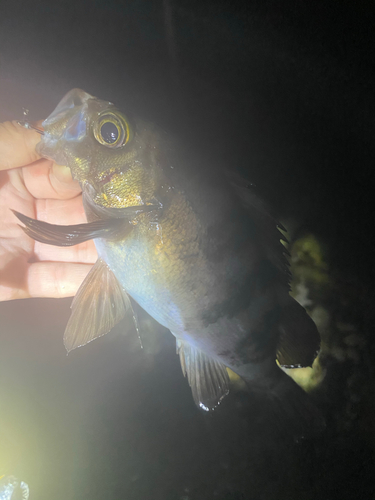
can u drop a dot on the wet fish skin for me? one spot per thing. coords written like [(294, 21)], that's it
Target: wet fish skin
[(205, 259)]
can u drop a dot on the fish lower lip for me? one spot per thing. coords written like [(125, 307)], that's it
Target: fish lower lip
[(46, 146)]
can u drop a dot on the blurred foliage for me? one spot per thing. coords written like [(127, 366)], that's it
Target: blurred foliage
[(341, 378)]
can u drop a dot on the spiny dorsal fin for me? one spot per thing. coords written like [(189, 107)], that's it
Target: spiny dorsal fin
[(299, 340), (267, 224), (98, 306), (208, 378)]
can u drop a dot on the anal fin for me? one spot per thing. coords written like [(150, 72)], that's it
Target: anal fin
[(98, 306), (208, 378)]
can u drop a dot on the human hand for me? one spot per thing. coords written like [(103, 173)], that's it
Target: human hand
[(42, 190)]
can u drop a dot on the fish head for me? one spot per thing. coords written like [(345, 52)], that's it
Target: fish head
[(115, 160)]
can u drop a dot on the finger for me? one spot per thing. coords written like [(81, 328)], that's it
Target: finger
[(17, 145), (55, 279), (46, 279), (84, 253), (61, 178), (63, 212), (45, 179)]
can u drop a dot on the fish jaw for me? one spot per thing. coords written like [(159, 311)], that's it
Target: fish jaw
[(66, 128)]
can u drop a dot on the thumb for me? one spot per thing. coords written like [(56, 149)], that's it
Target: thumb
[(17, 145), (62, 181)]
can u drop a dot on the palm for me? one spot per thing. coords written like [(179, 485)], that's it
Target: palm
[(29, 268)]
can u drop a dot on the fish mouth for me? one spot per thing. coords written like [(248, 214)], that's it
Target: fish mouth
[(75, 98), (46, 147)]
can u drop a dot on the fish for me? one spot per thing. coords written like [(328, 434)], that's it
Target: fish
[(193, 244)]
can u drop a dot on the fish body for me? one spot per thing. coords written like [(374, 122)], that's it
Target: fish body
[(201, 254)]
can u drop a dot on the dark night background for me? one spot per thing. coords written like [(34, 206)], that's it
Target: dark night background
[(280, 91)]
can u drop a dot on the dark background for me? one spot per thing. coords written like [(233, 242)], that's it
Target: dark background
[(284, 93)]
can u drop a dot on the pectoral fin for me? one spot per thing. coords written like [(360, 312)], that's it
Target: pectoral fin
[(98, 306), (208, 378), (66, 236)]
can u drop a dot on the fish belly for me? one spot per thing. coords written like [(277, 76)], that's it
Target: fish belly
[(138, 275)]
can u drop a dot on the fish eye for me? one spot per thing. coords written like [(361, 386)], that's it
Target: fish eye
[(112, 130), (109, 132)]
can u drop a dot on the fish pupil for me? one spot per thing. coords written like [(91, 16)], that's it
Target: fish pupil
[(109, 132)]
